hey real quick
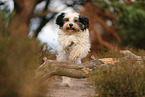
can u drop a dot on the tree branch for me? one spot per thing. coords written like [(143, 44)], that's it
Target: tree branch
[(52, 67), (43, 14)]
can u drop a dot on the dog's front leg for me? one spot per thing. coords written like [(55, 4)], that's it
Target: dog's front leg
[(75, 53), (66, 81), (69, 45)]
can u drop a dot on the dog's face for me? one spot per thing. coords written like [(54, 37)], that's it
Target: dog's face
[(72, 22)]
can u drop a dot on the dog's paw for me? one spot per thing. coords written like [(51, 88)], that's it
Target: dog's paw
[(70, 43), (66, 84)]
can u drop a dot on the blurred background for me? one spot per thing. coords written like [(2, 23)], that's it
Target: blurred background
[(27, 24), (112, 22)]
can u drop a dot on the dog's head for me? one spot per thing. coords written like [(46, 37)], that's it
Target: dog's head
[(72, 22)]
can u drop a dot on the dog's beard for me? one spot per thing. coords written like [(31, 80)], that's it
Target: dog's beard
[(71, 30)]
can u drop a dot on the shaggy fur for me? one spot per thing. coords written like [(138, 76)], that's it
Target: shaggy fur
[(74, 43)]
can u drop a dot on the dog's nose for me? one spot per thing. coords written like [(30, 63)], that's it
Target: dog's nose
[(70, 25)]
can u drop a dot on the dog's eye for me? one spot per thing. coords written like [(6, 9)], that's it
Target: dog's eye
[(75, 20), (66, 19)]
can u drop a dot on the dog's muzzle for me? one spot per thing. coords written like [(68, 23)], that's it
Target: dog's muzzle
[(70, 27)]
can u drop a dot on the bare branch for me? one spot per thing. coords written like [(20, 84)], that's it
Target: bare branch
[(43, 14)]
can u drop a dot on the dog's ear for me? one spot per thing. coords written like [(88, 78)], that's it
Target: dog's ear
[(84, 20), (59, 19)]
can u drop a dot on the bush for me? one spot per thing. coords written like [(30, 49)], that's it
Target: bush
[(125, 79), (18, 60)]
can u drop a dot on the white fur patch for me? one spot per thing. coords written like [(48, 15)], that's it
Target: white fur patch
[(71, 16), (77, 51), (72, 46)]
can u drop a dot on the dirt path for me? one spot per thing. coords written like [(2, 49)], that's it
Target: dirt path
[(80, 88)]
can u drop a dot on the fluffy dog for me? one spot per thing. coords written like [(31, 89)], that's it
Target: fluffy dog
[(74, 43)]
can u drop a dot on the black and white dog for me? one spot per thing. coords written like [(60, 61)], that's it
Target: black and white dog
[(74, 43)]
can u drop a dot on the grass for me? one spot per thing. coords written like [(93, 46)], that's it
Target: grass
[(125, 79)]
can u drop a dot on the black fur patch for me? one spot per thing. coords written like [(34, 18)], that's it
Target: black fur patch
[(84, 20), (59, 19)]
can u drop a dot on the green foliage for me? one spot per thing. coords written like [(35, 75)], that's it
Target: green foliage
[(132, 27), (5, 17), (125, 79), (130, 19), (19, 58), (3, 21)]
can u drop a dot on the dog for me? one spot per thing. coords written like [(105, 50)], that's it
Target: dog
[(74, 43)]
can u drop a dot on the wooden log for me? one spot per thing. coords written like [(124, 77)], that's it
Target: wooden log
[(52, 67)]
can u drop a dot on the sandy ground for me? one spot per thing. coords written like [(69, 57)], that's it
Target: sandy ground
[(80, 88)]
